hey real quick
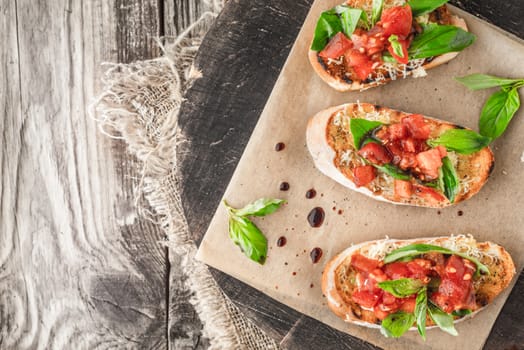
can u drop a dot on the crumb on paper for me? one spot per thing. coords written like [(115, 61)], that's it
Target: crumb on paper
[(504, 172), (522, 157)]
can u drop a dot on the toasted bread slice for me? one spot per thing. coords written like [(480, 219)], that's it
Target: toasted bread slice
[(337, 283), (331, 146), (386, 72)]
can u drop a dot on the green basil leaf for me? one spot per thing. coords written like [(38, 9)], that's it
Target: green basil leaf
[(421, 308), (462, 141), (449, 179), (498, 111), (393, 171), (483, 81), (439, 39), (397, 324), (364, 21), (328, 25), (397, 47), (421, 7), (260, 207), (402, 287), (442, 319), (349, 18), (376, 12), (361, 128), (461, 313), (421, 248), (248, 237)]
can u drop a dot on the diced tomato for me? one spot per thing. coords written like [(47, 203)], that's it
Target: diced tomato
[(409, 145), (365, 299), (361, 63), (396, 270), (403, 189), (375, 153), (378, 275), (408, 160), (429, 163), (364, 174), (408, 305), (442, 150), (397, 20), (397, 131), (419, 268), (400, 59), (336, 47), (388, 298), (456, 291), (379, 313), (359, 39), (429, 194), (361, 263), (417, 126)]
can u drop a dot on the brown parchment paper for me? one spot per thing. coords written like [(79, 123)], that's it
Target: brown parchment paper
[(289, 276)]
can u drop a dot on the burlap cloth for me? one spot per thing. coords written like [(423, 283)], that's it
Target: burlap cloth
[(140, 104)]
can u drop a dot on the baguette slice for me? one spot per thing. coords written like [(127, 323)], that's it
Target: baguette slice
[(337, 286), (331, 146), (413, 68)]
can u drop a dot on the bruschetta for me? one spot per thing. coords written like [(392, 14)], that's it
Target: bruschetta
[(363, 43), (399, 157), (397, 285)]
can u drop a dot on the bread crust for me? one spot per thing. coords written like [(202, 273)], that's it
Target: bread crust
[(476, 166), (497, 259), (341, 85)]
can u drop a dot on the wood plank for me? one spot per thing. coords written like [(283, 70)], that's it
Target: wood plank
[(217, 119), (80, 268)]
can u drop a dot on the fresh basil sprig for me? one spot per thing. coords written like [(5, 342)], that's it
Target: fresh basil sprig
[(500, 107), (437, 39), (396, 324), (498, 112), (442, 319), (397, 47), (341, 18), (402, 287), (376, 11), (421, 248), (244, 233), (328, 25), (484, 81), (360, 128), (421, 7), (393, 171), (448, 179), (462, 141), (421, 307)]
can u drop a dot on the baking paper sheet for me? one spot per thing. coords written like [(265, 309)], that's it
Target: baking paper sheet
[(289, 276)]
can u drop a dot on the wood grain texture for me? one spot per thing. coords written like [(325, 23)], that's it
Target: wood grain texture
[(220, 112), (79, 268)]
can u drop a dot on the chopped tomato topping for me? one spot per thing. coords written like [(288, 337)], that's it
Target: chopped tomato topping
[(403, 189), (410, 145), (417, 126), (455, 291), (396, 270), (363, 175), (375, 153), (429, 194), (442, 150), (429, 163), (397, 131), (336, 47), (361, 64), (408, 305), (396, 20), (361, 263), (365, 299)]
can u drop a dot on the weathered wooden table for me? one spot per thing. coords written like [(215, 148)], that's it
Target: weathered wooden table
[(78, 267)]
